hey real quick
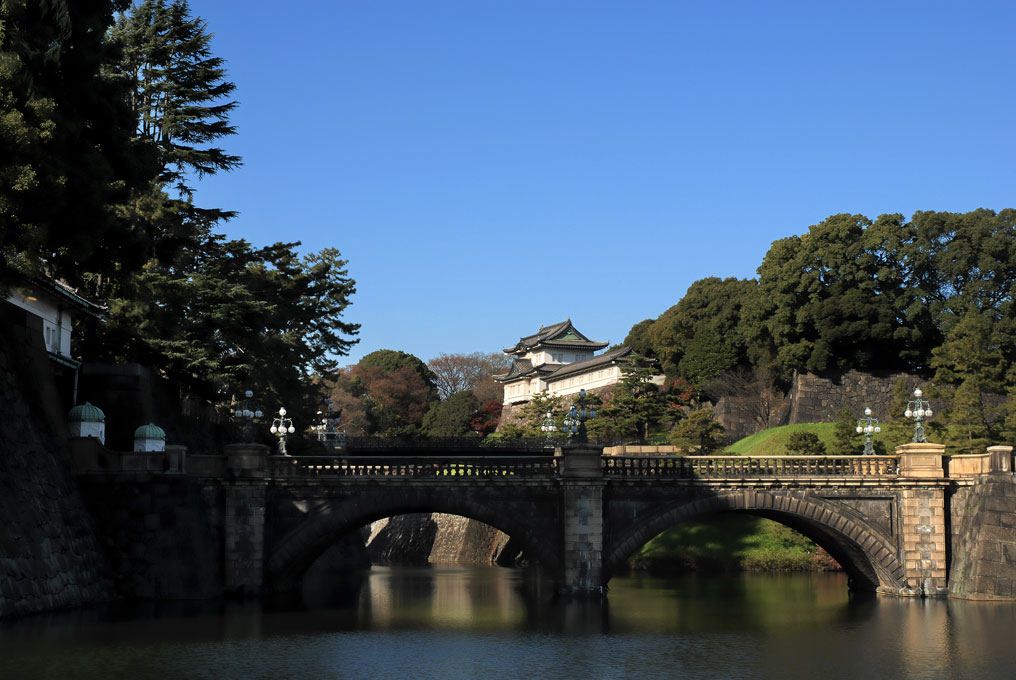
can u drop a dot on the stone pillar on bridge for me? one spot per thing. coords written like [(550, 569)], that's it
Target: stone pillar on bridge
[(244, 517), (582, 483), (923, 521)]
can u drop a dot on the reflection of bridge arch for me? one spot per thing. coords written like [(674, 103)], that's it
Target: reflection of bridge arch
[(326, 521), (865, 553)]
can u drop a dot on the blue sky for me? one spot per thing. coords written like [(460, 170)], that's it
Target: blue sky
[(487, 167)]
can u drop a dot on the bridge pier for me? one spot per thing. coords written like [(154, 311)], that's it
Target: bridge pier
[(582, 483), (244, 518), (923, 519)]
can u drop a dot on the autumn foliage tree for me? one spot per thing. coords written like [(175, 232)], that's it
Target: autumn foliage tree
[(387, 393), (469, 372)]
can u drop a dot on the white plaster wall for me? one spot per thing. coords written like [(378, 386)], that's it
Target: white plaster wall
[(57, 323), (89, 429), (147, 445)]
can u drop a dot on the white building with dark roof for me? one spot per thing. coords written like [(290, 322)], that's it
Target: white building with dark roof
[(560, 361)]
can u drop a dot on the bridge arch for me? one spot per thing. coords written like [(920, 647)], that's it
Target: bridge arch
[(867, 555), (293, 553)]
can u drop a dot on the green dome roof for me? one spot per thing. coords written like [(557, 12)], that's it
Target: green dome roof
[(86, 413), (149, 431)]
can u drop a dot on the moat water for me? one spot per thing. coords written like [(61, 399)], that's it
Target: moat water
[(478, 623)]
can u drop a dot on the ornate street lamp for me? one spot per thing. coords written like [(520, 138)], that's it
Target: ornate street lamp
[(328, 427), (247, 412), (282, 426), (868, 425), (575, 421), (918, 409), (548, 427)]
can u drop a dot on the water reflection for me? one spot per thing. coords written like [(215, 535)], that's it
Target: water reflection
[(481, 621)]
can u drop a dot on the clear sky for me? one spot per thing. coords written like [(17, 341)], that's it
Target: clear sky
[(490, 166)]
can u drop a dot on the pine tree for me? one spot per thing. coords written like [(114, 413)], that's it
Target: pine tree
[(969, 362), (845, 435), (805, 444), (698, 432), (535, 412), (637, 407), (67, 158), (178, 89)]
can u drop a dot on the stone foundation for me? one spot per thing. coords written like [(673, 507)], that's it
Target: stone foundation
[(435, 539), (984, 558), (50, 557)]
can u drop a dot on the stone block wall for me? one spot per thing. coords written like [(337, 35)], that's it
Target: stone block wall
[(984, 556), (817, 399), (160, 536), (924, 540), (435, 538), (814, 398), (50, 557)]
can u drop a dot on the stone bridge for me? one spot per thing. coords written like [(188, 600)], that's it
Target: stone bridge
[(918, 523)]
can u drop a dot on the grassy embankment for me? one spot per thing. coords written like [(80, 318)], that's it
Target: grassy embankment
[(735, 542)]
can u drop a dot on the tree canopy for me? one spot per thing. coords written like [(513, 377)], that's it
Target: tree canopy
[(849, 293), (68, 153), (109, 114)]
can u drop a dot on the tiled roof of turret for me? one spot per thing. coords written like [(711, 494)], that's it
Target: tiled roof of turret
[(561, 334), (524, 367), (604, 359)]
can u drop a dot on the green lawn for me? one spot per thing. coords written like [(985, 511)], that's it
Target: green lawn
[(740, 542), (730, 543), (773, 442)]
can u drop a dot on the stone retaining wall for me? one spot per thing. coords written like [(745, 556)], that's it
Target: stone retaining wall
[(50, 557), (984, 552), (817, 399), (435, 538), (814, 399), (162, 534)]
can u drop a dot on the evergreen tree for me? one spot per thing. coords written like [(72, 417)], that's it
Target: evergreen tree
[(451, 417), (67, 154), (805, 444), (971, 364), (637, 407), (698, 432), (845, 436), (535, 411), (178, 89)]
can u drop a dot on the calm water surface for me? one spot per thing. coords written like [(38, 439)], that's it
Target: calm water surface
[(476, 623)]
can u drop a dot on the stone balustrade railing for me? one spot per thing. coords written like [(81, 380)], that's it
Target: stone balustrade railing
[(402, 467), (688, 467), (90, 457)]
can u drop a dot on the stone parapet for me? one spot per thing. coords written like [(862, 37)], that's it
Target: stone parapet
[(634, 450), (921, 460), (581, 461), (967, 465), (246, 460), (1000, 459)]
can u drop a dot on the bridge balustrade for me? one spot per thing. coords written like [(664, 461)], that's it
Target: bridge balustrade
[(452, 467), (726, 467)]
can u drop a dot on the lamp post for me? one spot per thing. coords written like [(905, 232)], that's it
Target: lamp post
[(868, 425), (328, 426), (575, 421), (918, 409), (548, 427), (247, 412), (282, 426)]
